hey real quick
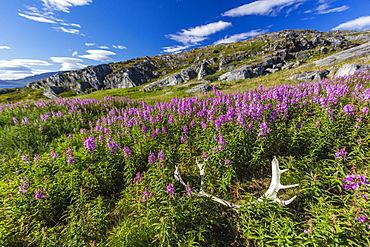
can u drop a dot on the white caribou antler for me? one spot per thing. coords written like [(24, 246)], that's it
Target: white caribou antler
[(275, 185), (271, 193)]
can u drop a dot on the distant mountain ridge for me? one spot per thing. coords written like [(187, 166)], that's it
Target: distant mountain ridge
[(29, 79), (261, 55)]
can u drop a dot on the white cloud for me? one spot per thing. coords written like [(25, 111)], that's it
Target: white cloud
[(90, 44), (68, 63), (187, 40), (175, 48), (69, 30), (324, 9), (71, 24), (193, 36), (240, 36), (37, 18), (19, 68), (103, 47), (99, 55), (64, 5), (356, 24), (14, 75), (35, 14), (205, 30), (75, 53), (47, 15), (261, 7), (293, 8), (121, 47), (4, 47), (26, 62)]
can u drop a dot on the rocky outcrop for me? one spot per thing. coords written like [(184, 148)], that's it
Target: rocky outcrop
[(197, 71), (172, 80), (242, 73), (91, 77), (298, 40), (126, 78), (263, 54), (350, 69), (199, 88), (52, 92), (355, 52), (311, 75), (364, 36)]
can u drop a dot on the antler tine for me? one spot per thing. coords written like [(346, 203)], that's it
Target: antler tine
[(270, 194), (177, 175), (275, 185), (201, 192), (201, 172)]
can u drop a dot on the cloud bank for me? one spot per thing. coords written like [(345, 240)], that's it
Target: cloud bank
[(99, 55), (64, 5), (360, 23), (261, 7), (47, 14), (69, 30), (121, 47), (193, 36), (325, 9), (68, 63), (240, 36), (20, 68)]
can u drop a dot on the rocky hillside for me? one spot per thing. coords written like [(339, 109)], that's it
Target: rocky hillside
[(260, 55)]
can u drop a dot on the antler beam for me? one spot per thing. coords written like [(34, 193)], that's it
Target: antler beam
[(275, 185), (271, 193)]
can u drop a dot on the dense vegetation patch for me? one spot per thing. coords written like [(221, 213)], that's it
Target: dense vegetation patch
[(87, 172)]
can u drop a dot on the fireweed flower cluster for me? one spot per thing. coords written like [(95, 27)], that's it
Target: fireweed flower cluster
[(54, 155), (357, 183), (341, 153), (151, 158), (146, 195), (256, 113), (205, 156), (40, 194), (362, 218), (161, 157), (138, 178), (69, 153), (90, 144), (127, 152), (188, 191), (170, 190), (24, 184), (113, 145), (264, 130), (360, 185)]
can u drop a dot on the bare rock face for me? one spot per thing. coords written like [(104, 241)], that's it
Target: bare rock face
[(172, 80), (125, 78), (355, 52), (362, 36), (261, 55), (350, 69), (93, 76), (242, 73), (311, 75), (199, 88), (52, 92)]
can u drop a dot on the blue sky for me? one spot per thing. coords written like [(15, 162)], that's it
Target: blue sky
[(40, 36)]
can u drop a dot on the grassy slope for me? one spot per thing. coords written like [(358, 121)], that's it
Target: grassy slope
[(183, 60), (270, 80)]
